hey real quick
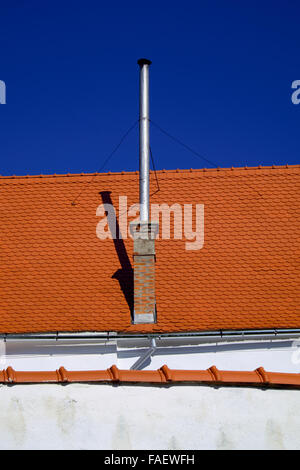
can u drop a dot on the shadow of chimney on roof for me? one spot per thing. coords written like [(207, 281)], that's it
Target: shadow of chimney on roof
[(125, 274)]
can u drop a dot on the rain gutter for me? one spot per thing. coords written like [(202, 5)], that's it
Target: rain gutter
[(202, 336)]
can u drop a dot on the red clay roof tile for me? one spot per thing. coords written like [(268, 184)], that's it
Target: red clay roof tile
[(56, 275)]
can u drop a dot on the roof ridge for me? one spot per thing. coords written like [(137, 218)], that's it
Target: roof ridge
[(181, 170)]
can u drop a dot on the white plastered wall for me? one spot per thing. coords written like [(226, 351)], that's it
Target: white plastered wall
[(100, 416), (82, 416)]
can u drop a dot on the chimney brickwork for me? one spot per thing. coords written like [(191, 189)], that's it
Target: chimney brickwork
[(144, 285), (144, 234)]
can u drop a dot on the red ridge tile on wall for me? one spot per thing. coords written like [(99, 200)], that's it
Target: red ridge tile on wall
[(164, 375)]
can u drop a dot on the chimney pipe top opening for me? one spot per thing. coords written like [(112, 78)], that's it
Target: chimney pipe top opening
[(142, 62)]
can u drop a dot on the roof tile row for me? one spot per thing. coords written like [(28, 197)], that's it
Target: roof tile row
[(164, 375)]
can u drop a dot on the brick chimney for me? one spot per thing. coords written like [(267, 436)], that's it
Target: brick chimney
[(144, 232)]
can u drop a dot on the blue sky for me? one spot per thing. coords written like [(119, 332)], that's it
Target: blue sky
[(220, 82)]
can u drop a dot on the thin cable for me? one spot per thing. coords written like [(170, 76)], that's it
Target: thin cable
[(196, 153), (154, 169), (106, 160), (184, 145)]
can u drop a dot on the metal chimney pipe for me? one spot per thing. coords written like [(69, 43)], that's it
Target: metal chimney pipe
[(144, 231), (144, 139)]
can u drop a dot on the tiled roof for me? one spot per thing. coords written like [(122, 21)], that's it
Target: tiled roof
[(164, 375), (56, 275)]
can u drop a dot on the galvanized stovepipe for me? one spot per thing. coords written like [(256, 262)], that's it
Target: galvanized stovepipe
[(144, 139)]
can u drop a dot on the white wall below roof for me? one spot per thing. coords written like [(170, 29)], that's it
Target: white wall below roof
[(82, 416), (274, 356)]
